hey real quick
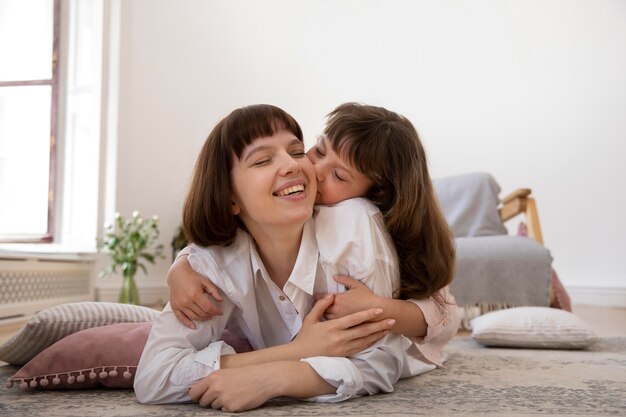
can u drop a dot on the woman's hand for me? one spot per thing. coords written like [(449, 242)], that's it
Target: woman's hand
[(245, 388), (358, 298), (235, 389), (192, 296), (343, 337)]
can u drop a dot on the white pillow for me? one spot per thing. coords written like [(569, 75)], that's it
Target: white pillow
[(532, 327)]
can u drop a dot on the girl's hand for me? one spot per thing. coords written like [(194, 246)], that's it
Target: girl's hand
[(343, 337), (192, 296), (358, 298)]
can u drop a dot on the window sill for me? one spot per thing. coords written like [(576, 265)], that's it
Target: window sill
[(47, 251)]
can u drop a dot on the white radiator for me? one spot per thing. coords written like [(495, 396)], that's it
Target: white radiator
[(30, 285)]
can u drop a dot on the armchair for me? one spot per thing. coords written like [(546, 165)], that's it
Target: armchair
[(495, 270)]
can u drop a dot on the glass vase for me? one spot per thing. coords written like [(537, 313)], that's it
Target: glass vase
[(129, 293)]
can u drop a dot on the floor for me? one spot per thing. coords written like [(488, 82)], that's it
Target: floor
[(605, 321)]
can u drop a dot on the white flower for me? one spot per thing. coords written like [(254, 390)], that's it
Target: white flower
[(135, 214), (117, 215)]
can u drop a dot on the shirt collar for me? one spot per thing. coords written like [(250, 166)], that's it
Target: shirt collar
[(303, 274)]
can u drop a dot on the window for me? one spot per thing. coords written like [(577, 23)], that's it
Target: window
[(50, 123), (29, 46)]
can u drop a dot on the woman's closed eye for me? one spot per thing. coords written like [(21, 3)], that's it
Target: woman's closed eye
[(261, 162), (298, 154), (337, 176)]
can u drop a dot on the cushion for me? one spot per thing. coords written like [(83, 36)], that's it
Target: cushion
[(470, 204), (101, 356), (532, 327), (52, 324)]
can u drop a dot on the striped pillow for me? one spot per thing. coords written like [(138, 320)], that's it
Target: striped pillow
[(54, 323)]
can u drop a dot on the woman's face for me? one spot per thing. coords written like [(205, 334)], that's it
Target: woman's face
[(337, 178), (273, 182)]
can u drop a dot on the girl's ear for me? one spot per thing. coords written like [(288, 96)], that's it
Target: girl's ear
[(235, 208)]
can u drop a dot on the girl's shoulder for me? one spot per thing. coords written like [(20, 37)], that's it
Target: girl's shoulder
[(353, 208), (351, 235)]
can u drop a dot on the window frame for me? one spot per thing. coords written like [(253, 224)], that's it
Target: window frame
[(53, 82)]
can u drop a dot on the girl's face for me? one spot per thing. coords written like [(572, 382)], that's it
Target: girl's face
[(337, 178), (273, 182)]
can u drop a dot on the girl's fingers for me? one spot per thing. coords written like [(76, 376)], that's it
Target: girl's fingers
[(193, 312), (212, 290), (207, 308), (347, 281), (184, 319)]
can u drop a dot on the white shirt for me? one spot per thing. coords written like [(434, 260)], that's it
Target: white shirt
[(352, 241)]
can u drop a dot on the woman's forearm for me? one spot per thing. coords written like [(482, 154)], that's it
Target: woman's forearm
[(284, 352), (297, 379)]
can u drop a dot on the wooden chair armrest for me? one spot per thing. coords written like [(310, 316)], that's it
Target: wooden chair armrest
[(514, 204), (520, 201), (519, 193)]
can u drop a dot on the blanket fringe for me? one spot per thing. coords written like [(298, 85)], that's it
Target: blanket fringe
[(471, 311)]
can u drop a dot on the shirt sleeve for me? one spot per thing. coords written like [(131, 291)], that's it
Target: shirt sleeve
[(175, 356), (371, 371), (443, 318)]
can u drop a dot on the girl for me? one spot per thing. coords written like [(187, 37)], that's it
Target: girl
[(373, 152), (248, 211)]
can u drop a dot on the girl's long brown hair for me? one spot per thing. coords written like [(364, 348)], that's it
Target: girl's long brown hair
[(386, 147)]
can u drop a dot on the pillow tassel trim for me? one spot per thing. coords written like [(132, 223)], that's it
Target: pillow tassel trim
[(78, 376)]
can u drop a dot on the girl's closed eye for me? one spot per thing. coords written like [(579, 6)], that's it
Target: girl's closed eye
[(337, 176), (319, 152)]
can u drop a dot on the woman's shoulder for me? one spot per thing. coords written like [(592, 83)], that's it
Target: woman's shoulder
[(220, 257)]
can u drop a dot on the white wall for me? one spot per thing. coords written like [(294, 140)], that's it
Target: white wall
[(531, 91)]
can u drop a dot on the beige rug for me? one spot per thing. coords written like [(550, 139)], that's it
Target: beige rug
[(476, 381)]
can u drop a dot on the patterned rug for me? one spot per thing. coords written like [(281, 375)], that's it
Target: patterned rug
[(476, 381)]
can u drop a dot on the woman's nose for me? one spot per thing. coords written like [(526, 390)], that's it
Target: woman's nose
[(291, 166)]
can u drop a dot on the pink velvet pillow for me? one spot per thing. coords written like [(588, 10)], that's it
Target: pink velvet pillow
[(106, 356)]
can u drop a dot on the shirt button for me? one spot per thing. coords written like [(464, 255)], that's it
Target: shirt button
[(281, 298)]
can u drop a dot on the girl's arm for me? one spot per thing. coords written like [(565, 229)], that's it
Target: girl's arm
[(410, 320), (430, 322), (192, 296)]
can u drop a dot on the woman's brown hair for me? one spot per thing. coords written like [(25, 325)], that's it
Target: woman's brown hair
[(386, 147), (207, 212)]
